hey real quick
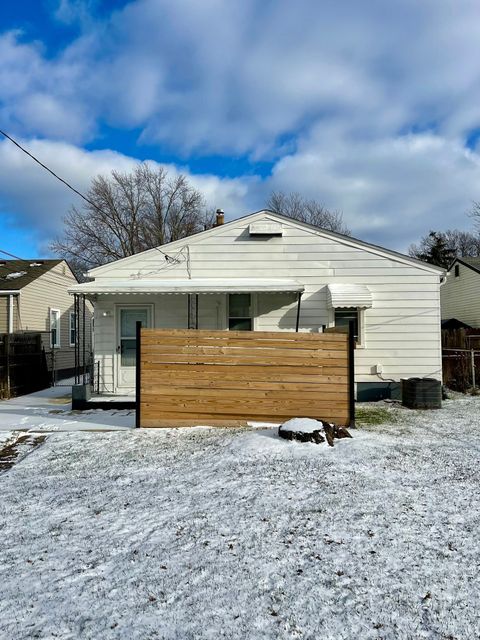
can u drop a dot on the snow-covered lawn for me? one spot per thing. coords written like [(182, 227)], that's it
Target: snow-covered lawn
[(211, 533)]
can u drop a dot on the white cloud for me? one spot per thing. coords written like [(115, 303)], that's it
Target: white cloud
[(239, 77), (365, 106), (392, 190), (39, 201)]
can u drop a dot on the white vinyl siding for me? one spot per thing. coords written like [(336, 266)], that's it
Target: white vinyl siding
[(460, 296), (50, 291), (401, 330)]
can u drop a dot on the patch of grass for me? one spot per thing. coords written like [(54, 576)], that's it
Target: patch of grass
[(372, 416), (60, 400)]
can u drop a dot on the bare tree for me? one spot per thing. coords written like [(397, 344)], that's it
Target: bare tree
[(294, 205), (464, 243), (130, 212), (441, 247)]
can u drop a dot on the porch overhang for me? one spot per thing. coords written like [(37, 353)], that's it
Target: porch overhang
[(349, 295), (137, 286)]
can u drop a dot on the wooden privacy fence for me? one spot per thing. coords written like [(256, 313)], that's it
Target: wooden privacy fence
[(226, 378), (23, 365)]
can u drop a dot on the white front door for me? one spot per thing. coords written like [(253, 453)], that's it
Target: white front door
[(127, 318)]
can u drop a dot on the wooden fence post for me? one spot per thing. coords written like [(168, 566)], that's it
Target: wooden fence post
[(138, 378), (351, 373), (7, 362), (472, 356)]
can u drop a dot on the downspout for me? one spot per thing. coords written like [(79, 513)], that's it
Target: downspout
[(299, 300), (10, 313), (10, 293), (443, 280)]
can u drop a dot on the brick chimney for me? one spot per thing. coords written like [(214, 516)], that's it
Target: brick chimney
[(220, 218)]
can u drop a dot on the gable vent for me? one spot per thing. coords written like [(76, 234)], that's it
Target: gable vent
[(265, 228)]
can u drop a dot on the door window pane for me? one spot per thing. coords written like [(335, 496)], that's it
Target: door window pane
[(128, 352), (129, 319), (128, 328)]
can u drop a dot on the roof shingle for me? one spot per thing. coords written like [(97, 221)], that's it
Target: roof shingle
[(16, 274)]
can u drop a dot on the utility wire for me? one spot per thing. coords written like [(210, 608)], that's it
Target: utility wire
[(10, 254), (67, 184)]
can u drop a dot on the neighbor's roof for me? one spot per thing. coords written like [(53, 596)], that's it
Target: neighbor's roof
[(16, 274), (211, 285), (472, 263)]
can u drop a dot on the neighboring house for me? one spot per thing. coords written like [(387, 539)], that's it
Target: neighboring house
[(460, 295), (251, 274), (34, 297)]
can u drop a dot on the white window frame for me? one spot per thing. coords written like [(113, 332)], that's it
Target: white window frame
[(58, 337), (72, 315), (361, 323), (253, 310)]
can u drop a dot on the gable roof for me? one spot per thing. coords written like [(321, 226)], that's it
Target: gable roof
[(16, 274), (271, 215), (471, 263)]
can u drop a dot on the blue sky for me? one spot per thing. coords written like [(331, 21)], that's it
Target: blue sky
[(372, 108)]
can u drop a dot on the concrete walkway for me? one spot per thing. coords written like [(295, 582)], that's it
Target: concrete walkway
[(50, 410)]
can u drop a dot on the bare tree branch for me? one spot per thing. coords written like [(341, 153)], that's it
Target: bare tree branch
[(130, 212), (295, 206)]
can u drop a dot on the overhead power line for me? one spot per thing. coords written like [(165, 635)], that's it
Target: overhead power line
[(67, 184), (10, 254), (44, 166)]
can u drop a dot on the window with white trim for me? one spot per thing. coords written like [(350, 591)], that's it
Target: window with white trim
[(73, 329), (54, 327), (240, 315), (343, 317)]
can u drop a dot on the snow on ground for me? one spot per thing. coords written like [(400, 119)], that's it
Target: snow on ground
[(215, 533), (5, 436), (50, 410)]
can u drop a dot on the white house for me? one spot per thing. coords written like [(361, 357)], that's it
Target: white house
[(460, 297), (268, 272)]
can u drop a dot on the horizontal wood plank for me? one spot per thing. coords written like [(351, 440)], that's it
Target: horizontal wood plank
[(253, 359), (252, 372), (216, 421), (311, 345), (155, 393), (333, 334), (263, 352), (152, 383)]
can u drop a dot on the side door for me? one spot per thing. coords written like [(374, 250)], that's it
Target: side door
[(126, 351)]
